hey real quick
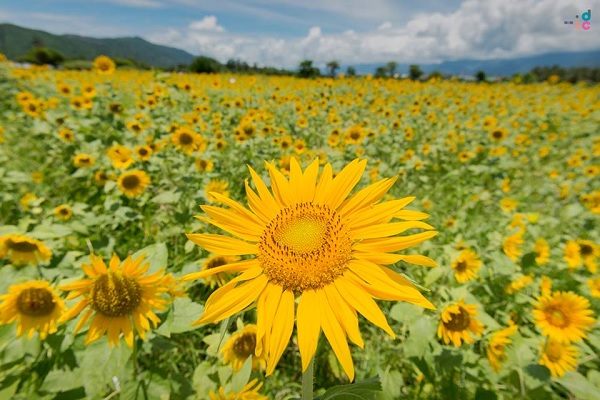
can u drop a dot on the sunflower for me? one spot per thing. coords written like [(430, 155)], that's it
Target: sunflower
[(120, 156), (518, 284), (542, 251), (458, 323), (218, 187), (63, 212), (215, 262), (66, 135), (498, 134), (83, 160), (204, 165), (21, 249), (564, 316), (249, 392), (589, 252), (512, 245), (143, 153), (118, 298), (104, 65), (34, 305), (466, 266), (497, 346), (354, 135), (311, 241), (133, 183), (507, 204), (186, 140), (559, 357), (594, 285), (240, 346)]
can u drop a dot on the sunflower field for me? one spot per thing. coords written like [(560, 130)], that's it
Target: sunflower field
[(185, 236)]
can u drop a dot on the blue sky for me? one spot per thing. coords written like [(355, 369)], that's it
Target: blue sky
[(283, 32)]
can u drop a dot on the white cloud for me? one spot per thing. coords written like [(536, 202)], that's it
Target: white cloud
[(138, 3), (480, 29)]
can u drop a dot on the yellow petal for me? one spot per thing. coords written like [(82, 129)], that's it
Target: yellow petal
[(418, 259), (268, 202), (256, 205), (346, 315), (240, 209), (283, 325), (232, 267), (410, 215), (394, 243), (344, 182), (385, 230), (324, 185), (366, 197), (265, 314), (222, 245), (280, 186), (335, 335), (377, 214), (308, 322)]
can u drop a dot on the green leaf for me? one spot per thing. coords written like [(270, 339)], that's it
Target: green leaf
[(183, 312), (405, 312), (391, 383), (361, 390), (421, 333), (241, 378), (61, 381), (579, 386), (170, 197), (100, 364), (156, 254)]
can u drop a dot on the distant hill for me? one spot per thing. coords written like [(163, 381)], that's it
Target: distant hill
[(16, 41), (498, 67)]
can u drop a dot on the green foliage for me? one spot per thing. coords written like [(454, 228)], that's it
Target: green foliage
[(480, 76), (306, 70), (415, 72), (42, 56), (205, 65)]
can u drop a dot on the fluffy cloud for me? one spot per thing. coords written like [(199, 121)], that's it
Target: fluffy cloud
[(480, 29)]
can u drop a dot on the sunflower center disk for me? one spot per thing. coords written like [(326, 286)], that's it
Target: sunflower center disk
[(306, 246), (22, 247), (131, 182), (459, 322), (557, 318), (245, 345), (35, 302), (553, 351), (115, 295), (461, 266)]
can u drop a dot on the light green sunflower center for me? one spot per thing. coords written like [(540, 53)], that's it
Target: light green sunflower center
[(557, 317), (35, 302), (306, 246), (115, 295), (459, 322)]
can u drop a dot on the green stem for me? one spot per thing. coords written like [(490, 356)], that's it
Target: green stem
[(134, 358), (307, 381)]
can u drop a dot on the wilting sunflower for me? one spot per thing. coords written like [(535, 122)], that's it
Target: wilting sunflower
[(458, 323), (559, 357), (104, 65), (118, 298), (63, 212), (240, 346), (21, 249), (497, 346), (310, 240), (249, 392), (133, 183), (564, 316), (34, 305), (466, 266), (215, 262)]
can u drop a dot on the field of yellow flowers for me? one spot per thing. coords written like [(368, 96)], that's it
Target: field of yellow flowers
[(178, 236)]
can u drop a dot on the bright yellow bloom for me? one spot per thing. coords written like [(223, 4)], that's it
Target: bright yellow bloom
[(216, 187), (542, 250), (21, 249), (559, 357), (497, 346), (518, 284), (120, 156), (507, 204), (133, 183), (466, 266), (118, 298), (240, 346), (458, 323), (104, 65), (310, 240), (249, 392), (34, 305), (83, 160), (216, 261), (512, 245), (564, 316), (63, 212)]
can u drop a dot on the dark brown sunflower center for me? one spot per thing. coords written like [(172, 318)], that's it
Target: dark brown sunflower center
[(131, 182), (22, 246), (185, 139), (64, 211), (35, 302), (216, 262), (497, 134), (459, 322), (142, 152), (115, 295), (245, 345), (306, 246), (461, 266), (585, 249)]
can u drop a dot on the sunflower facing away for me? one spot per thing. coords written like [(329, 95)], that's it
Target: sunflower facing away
[(118, 298), (458, 323), (34, 305), (239, 347), (21, 249), (313, 242), (496, 350), (564, 316)]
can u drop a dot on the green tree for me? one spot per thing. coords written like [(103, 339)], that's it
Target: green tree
[(333, 66), (381, 72), (351, 71), (391, 67), (43, 56), (415, 72), (205, 65), (306, 70), (480, 76)]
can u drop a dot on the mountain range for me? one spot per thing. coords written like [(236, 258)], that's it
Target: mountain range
[(16, 41)]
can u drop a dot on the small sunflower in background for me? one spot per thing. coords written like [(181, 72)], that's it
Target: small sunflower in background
[(34, 305), (240, 346), (498, 134), (594, 285), (542, 251), (249, 392), (118, 298), (496, 350), (563, 316), (216, 261), (511, 246), (519, 283), (218, 187), (133, 183), (120, 156), (458, 324), (83, 160), (104, 65), (559, 357), (186, 140), (21, 249), (63, 212), (204, 165), (466, 266), (143, 153)]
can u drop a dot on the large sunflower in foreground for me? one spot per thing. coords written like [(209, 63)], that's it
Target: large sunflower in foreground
[(118, 298), (310, 240), (564, 316), (34, 305)]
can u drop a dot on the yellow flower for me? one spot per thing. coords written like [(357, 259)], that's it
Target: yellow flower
[(559, 357), (214, 262), (117, 298), (498, 134), (143, 153), (497, 346), (354, 135), (187, 141), (508, 204), (66, 135), (133, 183), (34, 305), (512, 245), (311, 241), (466, 266), (21, 249), (83, 160), (542, 250), (564, 316), (249, 392), (104, 65), (120, 156), (204, 165), (27, 200), (546, 286), (458, 323), (37, 177), (518, 284), (63, 212), (240, 346), (218, 187)]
